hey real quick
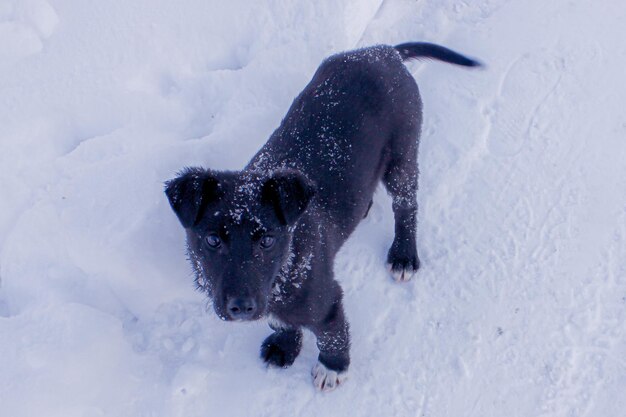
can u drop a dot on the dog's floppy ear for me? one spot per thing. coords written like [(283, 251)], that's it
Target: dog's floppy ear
[(289, 192), (190, 192)]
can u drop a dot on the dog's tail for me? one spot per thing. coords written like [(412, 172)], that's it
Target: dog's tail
[(416, 50)]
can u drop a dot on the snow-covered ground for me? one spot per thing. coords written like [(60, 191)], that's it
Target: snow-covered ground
[(519, 308)]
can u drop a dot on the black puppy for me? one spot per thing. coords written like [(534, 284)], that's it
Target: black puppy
[(262, 241)]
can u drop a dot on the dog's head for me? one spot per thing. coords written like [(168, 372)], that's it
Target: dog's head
[(239, 227)]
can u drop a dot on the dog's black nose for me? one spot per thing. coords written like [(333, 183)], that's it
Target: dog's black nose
[(241, 308)]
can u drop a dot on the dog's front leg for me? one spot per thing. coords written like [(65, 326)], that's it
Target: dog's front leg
[(282, 347), (333, 341)]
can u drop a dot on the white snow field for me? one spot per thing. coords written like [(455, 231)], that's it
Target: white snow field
[(519, 308)]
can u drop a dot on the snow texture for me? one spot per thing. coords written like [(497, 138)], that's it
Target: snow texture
[(519, 308)]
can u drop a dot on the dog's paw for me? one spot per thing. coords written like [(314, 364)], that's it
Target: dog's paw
[(402, 271), (325, 379), (401, 266), (281, 348)]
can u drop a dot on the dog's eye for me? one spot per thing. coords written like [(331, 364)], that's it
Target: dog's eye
[(267, 242), (213, 241)]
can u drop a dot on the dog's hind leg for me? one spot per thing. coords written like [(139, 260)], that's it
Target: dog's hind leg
[(400, 180), (282, 347)]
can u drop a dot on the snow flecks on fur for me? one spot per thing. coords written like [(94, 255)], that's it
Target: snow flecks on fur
[(371, 54), (198, 269), (292, 273), (334, 341), (245, 194)]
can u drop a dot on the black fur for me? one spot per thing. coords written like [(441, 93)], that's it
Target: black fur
[(263, 240), (417, 50), (282, 347)]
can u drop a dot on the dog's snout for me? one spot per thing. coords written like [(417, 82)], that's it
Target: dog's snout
[(240, 308)]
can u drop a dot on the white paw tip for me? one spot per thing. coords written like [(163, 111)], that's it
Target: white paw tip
[(325, 379), (401, 275)]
